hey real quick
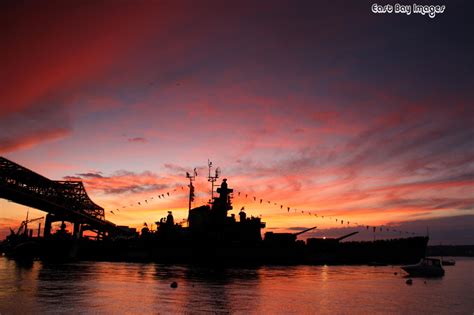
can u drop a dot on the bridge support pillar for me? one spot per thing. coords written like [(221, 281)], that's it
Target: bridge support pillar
[(47, 225), (77, 233)]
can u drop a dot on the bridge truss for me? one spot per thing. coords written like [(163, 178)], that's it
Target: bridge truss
[(67, 200)]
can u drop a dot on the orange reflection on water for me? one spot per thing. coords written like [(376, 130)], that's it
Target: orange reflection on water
[(111, 287)]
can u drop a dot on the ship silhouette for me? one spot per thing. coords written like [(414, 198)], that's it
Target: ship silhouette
[(212, 236)]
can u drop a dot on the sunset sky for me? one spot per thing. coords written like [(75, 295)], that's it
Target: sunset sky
[(318, 106)]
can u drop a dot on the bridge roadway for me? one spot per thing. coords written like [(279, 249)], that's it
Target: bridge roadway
[(62, 200)]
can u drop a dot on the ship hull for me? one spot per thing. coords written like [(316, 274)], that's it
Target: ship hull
[(381, 252), (396, 251)]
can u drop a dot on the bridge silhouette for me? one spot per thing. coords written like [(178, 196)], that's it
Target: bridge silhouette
[(62, 200)]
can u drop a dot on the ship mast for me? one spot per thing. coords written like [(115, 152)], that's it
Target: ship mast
[(212, 179), (191, 187)]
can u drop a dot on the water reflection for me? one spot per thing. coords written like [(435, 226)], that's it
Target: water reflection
[(17, 279), (111, 287), (223, 289), (68, 283), (324, 273), (206, 288)]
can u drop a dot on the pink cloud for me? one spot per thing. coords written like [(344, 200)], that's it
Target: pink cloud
[(30, 140)]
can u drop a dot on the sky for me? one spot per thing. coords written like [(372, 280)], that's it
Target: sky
[(320, 106)]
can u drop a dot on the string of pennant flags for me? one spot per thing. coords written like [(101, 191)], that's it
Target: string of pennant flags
[(262, 201), (142, 202), (314, 213)]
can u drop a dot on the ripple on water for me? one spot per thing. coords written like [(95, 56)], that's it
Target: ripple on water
[(112, 287)]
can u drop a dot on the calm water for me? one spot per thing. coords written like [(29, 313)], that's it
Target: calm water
[(104, 287)]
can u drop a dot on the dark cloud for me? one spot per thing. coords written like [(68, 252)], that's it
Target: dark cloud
[(176, 168), (72, 178), (135, 189), (90, 175), (122, 182)]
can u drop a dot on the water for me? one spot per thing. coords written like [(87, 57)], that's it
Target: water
[(109, 287)]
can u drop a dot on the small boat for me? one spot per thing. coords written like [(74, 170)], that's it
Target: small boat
[(427, 267)]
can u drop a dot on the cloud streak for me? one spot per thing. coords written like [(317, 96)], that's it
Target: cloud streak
[(30, 140), (122, 182)]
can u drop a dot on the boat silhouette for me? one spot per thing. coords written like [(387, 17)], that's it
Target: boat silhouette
[(212, 236), (427, 267)]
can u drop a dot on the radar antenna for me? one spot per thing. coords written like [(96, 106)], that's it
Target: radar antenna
[(191, 187), (211, 178)]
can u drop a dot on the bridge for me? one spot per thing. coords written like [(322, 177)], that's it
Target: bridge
[(62, 200)]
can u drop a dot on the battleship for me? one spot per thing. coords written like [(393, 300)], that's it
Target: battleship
[(211, 235)]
